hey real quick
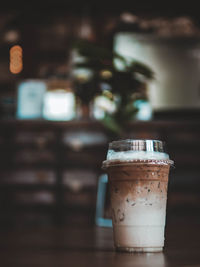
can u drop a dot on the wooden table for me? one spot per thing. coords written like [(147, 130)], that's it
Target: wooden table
[(57, 247)]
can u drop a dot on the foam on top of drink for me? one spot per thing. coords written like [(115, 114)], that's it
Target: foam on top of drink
[(116, 158), (137, 155), (150, 151)]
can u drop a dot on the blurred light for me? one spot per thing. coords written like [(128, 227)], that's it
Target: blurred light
[(11, 36), (103, 105), (16, 59), (105, 87), (30, 99), (128, 17), (59, 105), (144, 110), (86, 30), (82, 74), (108, 94), (106, 74), (83, 138)]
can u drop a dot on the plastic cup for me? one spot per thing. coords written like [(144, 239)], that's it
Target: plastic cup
[(138, 172)]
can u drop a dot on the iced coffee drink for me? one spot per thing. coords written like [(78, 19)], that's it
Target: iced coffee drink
[(138, 177)]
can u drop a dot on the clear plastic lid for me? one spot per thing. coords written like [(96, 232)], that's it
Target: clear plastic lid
[(137, 150)]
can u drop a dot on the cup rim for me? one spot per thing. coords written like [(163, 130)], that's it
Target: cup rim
[(149, 145)]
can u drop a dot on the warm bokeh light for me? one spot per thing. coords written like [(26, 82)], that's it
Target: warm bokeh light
[(16, 59)]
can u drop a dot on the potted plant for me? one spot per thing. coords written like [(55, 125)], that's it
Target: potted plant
[(102, 76)]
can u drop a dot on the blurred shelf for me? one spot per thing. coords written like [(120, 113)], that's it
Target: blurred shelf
[(27, 166), (150, 8), (40, 187), (50, 166), (41, 124), (29, 146), (27, 187), (46, 208), (52, 56)]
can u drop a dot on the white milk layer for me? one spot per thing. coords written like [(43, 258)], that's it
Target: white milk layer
[(147, 236), (139, 222), (148, 210)]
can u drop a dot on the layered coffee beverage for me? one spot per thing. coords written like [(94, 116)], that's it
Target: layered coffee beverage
[(138, 173)]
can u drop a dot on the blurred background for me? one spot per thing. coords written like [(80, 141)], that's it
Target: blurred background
[(76, 75)]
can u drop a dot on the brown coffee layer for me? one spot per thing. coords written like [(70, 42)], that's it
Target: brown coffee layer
[(139, 171), (131, 182), (130, 191)]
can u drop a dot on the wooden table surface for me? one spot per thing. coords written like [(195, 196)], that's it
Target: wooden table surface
[(76, 246)]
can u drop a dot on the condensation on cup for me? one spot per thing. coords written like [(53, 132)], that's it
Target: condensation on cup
[(138, 172)]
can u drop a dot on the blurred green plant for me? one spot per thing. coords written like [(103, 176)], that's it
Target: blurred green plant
[(122, 86)]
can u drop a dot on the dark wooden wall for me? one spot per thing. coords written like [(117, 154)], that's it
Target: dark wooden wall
[(49, 170)]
